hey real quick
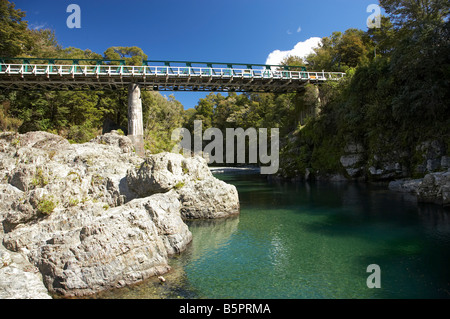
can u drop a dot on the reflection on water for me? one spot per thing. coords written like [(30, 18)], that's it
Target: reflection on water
[(211, 235), (300, 240)]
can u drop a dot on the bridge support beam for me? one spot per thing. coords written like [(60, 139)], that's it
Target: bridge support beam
[(135, 121)]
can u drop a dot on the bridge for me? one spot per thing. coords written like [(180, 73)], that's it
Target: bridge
[(153, 75)]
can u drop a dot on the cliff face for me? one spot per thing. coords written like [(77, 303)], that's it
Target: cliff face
[(89, 217)]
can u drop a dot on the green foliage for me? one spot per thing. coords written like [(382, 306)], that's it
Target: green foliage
[(161, 116), (131, 55), (392, 103), (73, 202), (316, 146), (341, 51), (97, 180), (414, 14), (39, 179), (82, 133), (179, 185), (46, 205), (293, 61), (383, 38), (8, 123), (14, 36)]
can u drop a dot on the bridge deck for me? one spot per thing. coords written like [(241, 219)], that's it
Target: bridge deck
[(156, 78)]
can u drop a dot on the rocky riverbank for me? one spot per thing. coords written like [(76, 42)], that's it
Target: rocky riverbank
[(81, 218), (422, 171), (433, 188)]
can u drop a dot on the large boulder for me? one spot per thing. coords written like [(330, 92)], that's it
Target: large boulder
[(209, 198), (165, 171), (202, 195), (353, 160), (83, 253), (405, 185), (435, 188), (114, 138), (431, 157)]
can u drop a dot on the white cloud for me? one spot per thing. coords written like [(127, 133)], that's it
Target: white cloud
[(299, 29), (37, 26), (301, 49)]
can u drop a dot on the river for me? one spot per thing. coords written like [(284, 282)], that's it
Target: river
[(311, 240)]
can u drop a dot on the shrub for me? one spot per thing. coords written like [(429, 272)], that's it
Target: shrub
[(46, 205), (73, 202), (39, 179), (179, 185)]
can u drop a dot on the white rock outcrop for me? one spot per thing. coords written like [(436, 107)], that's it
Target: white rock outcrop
[(94, 216)]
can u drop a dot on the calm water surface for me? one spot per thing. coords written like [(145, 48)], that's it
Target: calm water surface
[(300, 240)]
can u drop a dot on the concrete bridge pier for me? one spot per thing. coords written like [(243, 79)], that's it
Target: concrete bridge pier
[(135, 121), (318, 103)]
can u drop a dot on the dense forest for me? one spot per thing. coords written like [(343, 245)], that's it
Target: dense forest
[(392, 108)]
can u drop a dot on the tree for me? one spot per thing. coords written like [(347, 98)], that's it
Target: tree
[(352, 49), (341, 51), (131, 55), (205, 110), (293, 60), (420, 63), (79, 115), (412, 14), (43, 44), (383, 38), (14, 35), (161, 117), (75, 53)]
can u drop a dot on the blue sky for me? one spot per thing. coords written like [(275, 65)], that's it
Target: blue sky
[(198, 30)]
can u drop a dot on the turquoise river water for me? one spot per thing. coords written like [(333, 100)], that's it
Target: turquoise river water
[(311, 240)]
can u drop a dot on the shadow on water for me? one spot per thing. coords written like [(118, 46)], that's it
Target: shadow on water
[(414, 258)]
